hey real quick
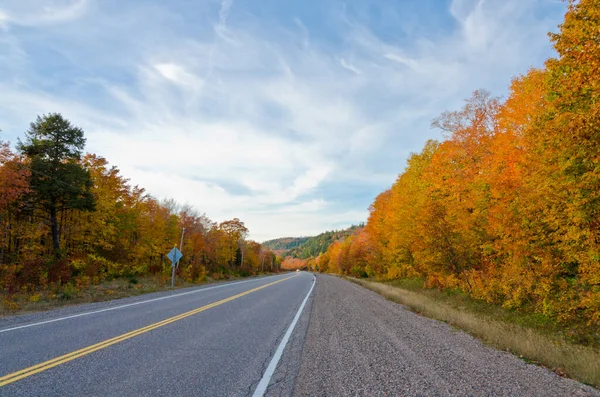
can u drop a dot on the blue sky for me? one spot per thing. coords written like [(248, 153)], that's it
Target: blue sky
[(291, 115)]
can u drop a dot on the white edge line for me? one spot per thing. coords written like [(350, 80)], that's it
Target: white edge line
[(266, 379), (128, 305)]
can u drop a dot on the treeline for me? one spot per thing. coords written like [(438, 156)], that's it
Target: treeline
[(68, 218), (507, 208), (283, 244), (316, 245), (305, 255)]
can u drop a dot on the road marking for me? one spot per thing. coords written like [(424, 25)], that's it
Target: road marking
[(127, 305), (266, 379), (26, 372)]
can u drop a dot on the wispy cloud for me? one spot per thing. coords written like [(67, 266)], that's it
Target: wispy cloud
[(223, 14), (348, 66), (179, 75), (33, 13), (289, 119)]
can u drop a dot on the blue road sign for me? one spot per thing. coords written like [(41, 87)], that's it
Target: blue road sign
[(175, 255)]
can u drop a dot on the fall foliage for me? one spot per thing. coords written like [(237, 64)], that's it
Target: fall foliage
[(73, 219), (507, 207)]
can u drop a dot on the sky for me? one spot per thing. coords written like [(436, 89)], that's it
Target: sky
[(292, 115)]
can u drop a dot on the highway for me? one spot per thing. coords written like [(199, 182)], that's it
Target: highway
[(285, 335), (209, 341)]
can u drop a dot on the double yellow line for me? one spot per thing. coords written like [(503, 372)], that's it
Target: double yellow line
[(24, 373)]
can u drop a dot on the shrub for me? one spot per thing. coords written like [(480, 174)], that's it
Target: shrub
[(10, 305), (358, 272), (132, 279), (34, 298), (67, 292)]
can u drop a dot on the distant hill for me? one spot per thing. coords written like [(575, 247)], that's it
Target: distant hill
[(316, 245), (283, 244)]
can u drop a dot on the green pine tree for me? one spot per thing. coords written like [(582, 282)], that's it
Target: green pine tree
[(59, 182)]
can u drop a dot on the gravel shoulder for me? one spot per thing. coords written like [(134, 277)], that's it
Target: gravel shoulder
[(360, 344)]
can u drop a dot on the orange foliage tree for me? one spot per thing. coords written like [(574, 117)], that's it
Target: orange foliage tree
[(507, 208)]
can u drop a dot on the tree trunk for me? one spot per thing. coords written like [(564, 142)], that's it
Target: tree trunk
[(54, 230), (5, 238)]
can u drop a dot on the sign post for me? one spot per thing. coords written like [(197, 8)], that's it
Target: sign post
[(181, 245), (174, 255)]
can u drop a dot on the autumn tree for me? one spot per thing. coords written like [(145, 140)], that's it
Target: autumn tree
[(567, 146), (14, 185), (507, 207), (235, 232)]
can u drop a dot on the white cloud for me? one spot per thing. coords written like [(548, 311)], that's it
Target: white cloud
[(3, 19), (347, 65), (411, 63), (251, 118), (179, 75), (32, 13), (224, 13)]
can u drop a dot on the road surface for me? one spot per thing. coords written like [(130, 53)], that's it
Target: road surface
[(274, 336), (221, 346)]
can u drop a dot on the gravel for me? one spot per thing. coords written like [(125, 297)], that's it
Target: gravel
[(360, 344)]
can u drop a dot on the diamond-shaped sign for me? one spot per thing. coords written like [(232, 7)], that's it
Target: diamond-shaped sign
[(175, 255)]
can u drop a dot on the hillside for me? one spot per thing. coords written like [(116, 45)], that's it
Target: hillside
[(317, 245), (284, 243)]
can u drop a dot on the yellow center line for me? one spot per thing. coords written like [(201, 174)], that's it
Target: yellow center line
[(26, 372)]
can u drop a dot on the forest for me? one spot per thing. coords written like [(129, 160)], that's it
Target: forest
[(283, 244), (69, 220), (507, 207), (316, 245)]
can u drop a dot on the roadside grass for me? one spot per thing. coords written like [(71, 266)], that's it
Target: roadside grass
[(69, 294), (569, 351)]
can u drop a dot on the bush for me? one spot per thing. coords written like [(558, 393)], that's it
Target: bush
[(67, 292), (194, 273), (8, 278), (10, 305), (100, 266), (132, 279), (82, 282), (358, 272), (34, 298)]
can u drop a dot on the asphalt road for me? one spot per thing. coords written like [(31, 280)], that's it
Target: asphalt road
[(211, 341), (274, 335), (360, 344)]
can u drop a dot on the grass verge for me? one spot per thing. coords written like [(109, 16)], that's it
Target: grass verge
[(522, 335), (68, 294)]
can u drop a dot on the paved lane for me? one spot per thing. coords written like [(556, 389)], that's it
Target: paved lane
[(220, 347)]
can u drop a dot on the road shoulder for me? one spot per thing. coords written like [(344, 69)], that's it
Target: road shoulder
[(358, 343)]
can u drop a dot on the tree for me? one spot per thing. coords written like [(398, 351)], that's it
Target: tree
[(567, 147), (13, 186), (53, 147), (236, 232)]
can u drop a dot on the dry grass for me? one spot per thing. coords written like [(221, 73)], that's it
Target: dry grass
[(67, 295), (575, 361)]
